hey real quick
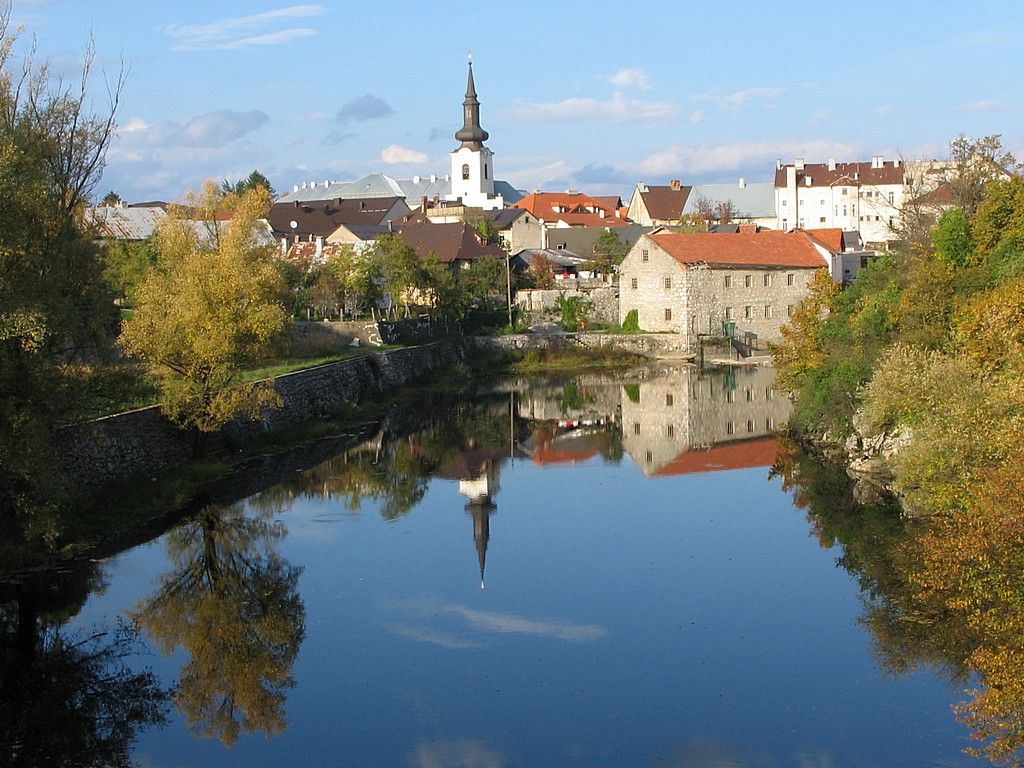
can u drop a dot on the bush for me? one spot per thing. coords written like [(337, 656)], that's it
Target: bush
[(631, 322)]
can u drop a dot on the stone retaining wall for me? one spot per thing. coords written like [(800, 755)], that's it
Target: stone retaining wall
[(143, 442), (663, 346)]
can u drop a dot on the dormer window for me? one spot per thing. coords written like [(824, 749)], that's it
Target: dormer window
[(465, 172)]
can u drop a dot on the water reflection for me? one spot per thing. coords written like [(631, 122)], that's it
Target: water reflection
[(231, 603), (68, 698)]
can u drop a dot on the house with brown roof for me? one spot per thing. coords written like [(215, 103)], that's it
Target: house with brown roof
[(298, 221), (652, 205), (747, 283), (866, 196), (455, 244)]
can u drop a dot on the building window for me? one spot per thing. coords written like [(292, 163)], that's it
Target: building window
[(728, 313), (730, 396), (729, 428), (670, 430), (789, 310), (821, 220), (783, 202), (644, 256), (728, 281), (636, 427), (769, 393), (465, 171), (769, 424), (748, 312), (632, 283), (750, 395), (767, 311), (650, 457), (485, 170), (668, 313), (750, 425), (790, 279), (668, 283), (768, 280), (669, 400), (748, 280), (892, 198), (785, 224)]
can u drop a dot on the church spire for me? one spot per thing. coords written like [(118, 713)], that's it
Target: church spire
[(471, 134)]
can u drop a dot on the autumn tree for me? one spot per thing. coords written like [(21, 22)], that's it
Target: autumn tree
[(803, 350), (54, 305), (976, 162), (231, 602), (211, 308)]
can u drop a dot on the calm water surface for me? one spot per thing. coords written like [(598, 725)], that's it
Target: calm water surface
[(593, 572)]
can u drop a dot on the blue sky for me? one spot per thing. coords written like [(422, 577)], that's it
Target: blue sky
[(585, 95)]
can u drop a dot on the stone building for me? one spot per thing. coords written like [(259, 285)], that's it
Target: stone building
[(744, 284)]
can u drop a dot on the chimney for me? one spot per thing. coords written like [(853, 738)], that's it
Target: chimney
[(433, 178), (601, 213), (748, 227), (743, 183), (303, 186), (807, 181), (415, 179), (876, 161), (326, 183), (831, 163), (296, 203), (675, 185), (423, 204), (319, 248), (799, 163), (284, 246), (295, 188), (778, 164), (790, 176)]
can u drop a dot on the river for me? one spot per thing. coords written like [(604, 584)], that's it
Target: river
[(590, 571)]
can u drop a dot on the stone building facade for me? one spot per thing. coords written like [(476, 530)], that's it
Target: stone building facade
[(746, 284)]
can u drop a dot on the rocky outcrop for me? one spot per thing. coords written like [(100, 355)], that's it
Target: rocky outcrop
[(870, 458)]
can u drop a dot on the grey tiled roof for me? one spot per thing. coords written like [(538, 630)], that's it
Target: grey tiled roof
[(124, 223), (752, 200), (382, 185)]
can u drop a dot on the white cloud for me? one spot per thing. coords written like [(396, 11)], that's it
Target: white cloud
[(737, 99), (698, 159), (541, 176), (222, 127), (697, 116), (239, 32), (981, 105), (464, 753), (395, 154), (630, 78), (619, 108), (134, 125)]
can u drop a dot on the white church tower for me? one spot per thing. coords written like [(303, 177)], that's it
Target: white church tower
[(472, 162)]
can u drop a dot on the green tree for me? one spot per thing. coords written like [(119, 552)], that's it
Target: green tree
[(609, 251), (952, 238), (400, 269), (111, 199), (126, 263), (54, 304), (253, 181), (210, 309)]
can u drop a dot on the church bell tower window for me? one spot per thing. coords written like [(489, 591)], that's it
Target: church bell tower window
[(465, 171)]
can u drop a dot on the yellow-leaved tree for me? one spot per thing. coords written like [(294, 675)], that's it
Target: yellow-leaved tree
[(802, 350), (211, 308)]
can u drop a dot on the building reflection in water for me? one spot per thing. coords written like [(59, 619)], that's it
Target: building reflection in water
[(683, 422)]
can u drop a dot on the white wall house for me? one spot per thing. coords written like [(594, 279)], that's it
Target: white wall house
[(863, 196)]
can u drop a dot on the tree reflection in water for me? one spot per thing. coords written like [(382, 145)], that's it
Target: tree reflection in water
[(945, 593), (69, 700), (232, 604)]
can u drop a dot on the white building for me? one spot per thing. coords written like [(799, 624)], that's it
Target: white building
[(864, 196)]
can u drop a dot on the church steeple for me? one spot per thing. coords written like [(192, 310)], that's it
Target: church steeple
[(471, 134)]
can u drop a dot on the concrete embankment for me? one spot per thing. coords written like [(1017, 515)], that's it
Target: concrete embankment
[(663, 346), (143, 442)]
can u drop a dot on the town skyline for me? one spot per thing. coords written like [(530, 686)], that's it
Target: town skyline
[(600, 101)]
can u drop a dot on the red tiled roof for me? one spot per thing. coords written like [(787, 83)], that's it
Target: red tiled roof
[(573, 207), (665, 203), (740, 249), (450, 242), (939, 197), (831, 238), (848, 173), (742, 454)]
